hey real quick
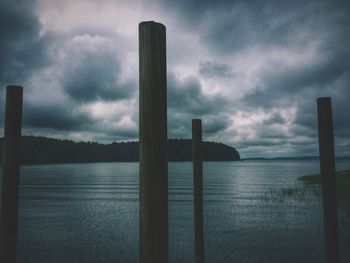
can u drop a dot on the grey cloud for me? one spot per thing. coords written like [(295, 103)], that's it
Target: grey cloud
[(275, 118), (302, 131), (187, 101), (213, 69), (179, 124), (341, 110), (305, 125), (121, 134), (271, 132), (229, 26), (261, 142), (299, 87), (187, 96), (214, 124), (275, 146), (262, 98), (59, 117), (283, 87), (88, 73), (130, 134), (232, 27), (317, 75), (93, 75), (245, 25), (306, 114), (227, 29), (22, 49), (278, 151)]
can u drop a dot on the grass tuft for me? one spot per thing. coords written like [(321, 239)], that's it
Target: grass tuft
[(311, 186), (342, 182)]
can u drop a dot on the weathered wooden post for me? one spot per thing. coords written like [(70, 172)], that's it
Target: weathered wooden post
[(10, 176), (198, 189), (327, 165), (153, 144)]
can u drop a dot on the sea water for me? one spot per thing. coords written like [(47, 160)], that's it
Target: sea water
[(90, 213)]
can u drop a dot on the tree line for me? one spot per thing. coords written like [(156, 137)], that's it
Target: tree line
[(40, 150)]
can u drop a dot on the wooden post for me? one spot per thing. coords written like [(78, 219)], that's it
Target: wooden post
[(10, 176), (327, 165), (198, 189), (153, 144)]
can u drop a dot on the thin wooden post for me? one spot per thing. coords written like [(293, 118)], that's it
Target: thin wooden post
[(153, 144), (10, 176), (327, 165), (198, 189)]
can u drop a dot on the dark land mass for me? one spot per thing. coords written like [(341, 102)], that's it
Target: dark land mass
[(41, 150), (298, 158)]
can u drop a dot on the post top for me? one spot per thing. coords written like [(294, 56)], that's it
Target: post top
[(14, 88), (151, 23), (323, 99), (196, 120)]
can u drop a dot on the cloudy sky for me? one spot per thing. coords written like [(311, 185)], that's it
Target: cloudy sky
[(252, 70)]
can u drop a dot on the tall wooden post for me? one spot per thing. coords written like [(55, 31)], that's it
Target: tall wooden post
[(153, 144), (10, 176), (327, 165), (198, 189)]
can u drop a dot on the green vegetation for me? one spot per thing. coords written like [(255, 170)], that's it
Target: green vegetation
[(342, 181), (39, 150), (311, 186), (297, 193)]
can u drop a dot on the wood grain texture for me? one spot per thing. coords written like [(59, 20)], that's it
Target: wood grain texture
[(153, 144)]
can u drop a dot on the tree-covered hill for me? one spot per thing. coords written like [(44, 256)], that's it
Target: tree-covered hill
[(37, 150)]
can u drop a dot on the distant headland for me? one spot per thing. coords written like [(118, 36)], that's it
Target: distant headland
[(43, 150)]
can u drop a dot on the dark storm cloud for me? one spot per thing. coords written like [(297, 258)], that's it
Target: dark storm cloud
[(180, 124), (247, 24), (214, 124), (283, 86), (187, 96), (341, 109), (302, 131), (260, 98), (270, 59), (59, 117), (232, 27), (227, 26), (187, 101), (80, 68), (317, 75), (96, 75), (306, 116), (193, 12), (22, 49)]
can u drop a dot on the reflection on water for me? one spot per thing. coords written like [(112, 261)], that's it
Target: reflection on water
[(89, 213)]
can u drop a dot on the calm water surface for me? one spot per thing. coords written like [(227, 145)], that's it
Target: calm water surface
[(89, 213)]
